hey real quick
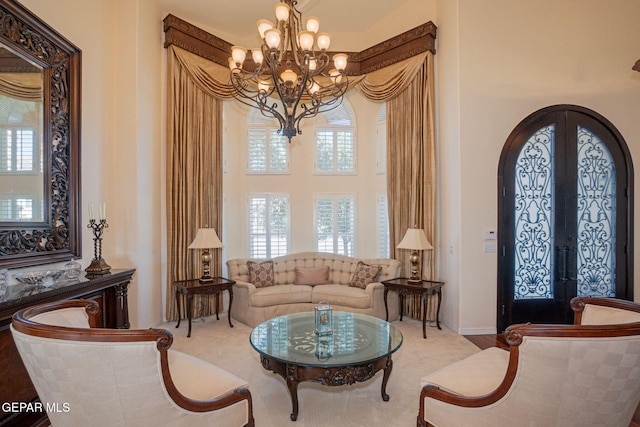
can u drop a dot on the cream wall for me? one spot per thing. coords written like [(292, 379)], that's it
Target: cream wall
[(121, 43), (509, 59)]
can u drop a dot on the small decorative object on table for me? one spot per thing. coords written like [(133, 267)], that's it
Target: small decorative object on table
[(324, 319), (98, 265), (324, 346), (38, 279), (72, 269)]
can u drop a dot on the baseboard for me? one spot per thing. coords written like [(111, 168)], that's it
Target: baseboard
[(472, 331)]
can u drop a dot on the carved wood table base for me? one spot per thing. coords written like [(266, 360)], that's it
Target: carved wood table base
[(330, 376)]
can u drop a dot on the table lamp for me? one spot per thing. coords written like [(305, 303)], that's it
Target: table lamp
[(206, 239), (416, 240)]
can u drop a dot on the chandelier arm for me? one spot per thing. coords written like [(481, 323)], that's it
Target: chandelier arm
[(244, 94)]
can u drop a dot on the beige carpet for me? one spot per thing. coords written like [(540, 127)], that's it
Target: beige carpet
[(320, 406)]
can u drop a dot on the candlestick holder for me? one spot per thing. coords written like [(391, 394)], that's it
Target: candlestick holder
[(98, 265)]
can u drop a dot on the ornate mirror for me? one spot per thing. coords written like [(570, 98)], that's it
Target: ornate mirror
[(39, 141)]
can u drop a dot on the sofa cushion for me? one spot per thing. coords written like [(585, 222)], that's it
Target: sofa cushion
[(364, 275), (281, 294), (312, 275), (261, 274), (347, 296)]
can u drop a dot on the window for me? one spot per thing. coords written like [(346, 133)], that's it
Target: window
[(16, 208), (268, 225), (335, 222), (335, 151), (335, 143), (382, 225), (268, 151), (17, 150)]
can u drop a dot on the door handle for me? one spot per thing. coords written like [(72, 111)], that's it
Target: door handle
[(565, 274), (565, 261)]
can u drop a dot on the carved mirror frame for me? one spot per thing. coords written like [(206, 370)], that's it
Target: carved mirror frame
[(58, 237)]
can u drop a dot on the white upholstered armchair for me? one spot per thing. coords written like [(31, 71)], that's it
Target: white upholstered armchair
[(553, 375), (119, 377)]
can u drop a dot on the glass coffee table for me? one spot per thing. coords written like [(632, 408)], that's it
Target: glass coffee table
[(359, 346)]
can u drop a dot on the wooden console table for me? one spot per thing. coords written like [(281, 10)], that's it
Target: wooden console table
[(110, 291), (192, 287), (422, 288)]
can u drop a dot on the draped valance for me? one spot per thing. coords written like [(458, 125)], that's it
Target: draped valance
[(23, 86)]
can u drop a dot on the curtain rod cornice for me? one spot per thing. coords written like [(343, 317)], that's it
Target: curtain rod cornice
[(398, 48)]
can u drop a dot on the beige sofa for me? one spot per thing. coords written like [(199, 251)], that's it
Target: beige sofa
[(253, 305)]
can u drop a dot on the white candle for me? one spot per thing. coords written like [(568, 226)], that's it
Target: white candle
[(91, 211)]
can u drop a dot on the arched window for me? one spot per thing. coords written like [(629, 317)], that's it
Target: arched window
[(335, 152)]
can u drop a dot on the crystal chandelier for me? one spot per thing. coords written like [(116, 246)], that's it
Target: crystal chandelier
[(292, 65)]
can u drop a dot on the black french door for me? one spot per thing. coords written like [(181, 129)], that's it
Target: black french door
[(564, 215)]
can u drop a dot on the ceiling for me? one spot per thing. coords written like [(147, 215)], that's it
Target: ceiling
[(238, 17)]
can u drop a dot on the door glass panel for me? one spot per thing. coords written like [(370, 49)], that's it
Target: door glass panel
[(534, 216), (596, 216)]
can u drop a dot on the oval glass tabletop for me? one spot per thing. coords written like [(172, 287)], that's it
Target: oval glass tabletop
[(356, 339)]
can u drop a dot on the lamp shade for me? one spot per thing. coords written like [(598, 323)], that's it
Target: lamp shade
[(414, 239), (206, 238)]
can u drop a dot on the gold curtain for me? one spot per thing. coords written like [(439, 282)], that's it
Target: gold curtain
[(195, 87), (408, 87), (194, 177)]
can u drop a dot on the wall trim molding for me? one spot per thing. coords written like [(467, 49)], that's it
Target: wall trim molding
[(398, 48)]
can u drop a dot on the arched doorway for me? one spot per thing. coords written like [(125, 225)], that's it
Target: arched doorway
[(565, 190)]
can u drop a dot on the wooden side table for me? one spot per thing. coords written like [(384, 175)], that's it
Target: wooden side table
[(424, 288), (191, 287)]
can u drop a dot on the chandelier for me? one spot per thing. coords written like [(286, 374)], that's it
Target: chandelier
[(292, 76)]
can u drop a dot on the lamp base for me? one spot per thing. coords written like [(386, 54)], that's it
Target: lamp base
[(206, 279), (98, 266)]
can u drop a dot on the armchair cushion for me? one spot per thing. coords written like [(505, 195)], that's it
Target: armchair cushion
[(200, 380), (476, 375)]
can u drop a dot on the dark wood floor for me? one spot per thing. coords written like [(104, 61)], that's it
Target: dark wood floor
[(486, 341)]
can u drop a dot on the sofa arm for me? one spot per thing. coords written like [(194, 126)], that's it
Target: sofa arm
[(247, 287), (241, 295), (375, 291)]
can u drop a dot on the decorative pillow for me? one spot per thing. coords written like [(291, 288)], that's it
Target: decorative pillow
[(312, 275), (261, 274), (364, 275)]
